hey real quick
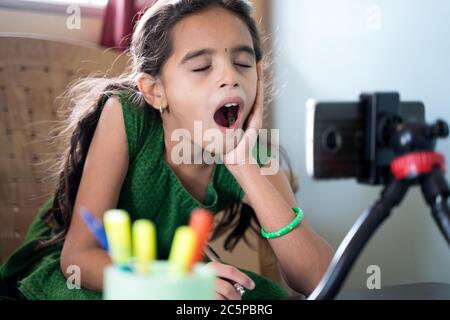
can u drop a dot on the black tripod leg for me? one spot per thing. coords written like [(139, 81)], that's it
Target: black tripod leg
[(355, 240), (436, 193), (441, 214)]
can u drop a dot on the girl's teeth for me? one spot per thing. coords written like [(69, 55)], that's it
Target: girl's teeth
[(229, 105)]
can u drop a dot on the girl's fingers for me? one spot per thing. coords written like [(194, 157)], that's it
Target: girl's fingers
[(260, 70), (255, 116), (260, 90), (231, 273), (219, 297), (257, 112), (226, 290)]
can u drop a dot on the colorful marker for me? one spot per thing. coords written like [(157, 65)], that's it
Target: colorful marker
[(118, 232), (201, 222), (182, 251), (96, 227), (144, 244)]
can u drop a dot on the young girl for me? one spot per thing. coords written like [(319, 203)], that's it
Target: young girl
[(193, 61)]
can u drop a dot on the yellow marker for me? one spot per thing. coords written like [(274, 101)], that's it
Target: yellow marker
[(183, 248), (118, 232), (144, 244)]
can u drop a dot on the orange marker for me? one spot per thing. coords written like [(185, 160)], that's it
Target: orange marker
[(201, 222)]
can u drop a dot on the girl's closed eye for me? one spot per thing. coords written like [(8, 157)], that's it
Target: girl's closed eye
[(237, 64)]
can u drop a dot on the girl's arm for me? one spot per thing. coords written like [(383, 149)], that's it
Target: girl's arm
[(103, 175), (303, 255)]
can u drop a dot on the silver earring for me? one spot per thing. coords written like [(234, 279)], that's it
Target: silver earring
[(161, 109)]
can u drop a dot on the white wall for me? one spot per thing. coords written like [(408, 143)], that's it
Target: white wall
[(324, 49)]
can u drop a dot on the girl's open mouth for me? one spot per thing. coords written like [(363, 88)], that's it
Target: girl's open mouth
[(228, 115)]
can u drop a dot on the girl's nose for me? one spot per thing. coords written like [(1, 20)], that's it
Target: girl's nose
[(229, 77), (233, 85)]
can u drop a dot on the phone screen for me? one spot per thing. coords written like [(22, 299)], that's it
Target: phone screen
[(336, 138)]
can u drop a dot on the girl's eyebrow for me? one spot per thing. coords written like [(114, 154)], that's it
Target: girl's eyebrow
[(209, 51)]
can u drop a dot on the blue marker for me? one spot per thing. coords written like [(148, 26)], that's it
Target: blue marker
[(95, 227)]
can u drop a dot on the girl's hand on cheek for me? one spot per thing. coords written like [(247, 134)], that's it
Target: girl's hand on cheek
[(243, 151)]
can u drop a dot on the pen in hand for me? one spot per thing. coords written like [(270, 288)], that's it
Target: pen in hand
[(95, 227), (213, 256)]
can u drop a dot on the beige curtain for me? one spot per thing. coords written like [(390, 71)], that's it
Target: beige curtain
[(263, 17), (262, 12)]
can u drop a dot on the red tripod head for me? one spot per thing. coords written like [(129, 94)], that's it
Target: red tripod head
[(415, 164)]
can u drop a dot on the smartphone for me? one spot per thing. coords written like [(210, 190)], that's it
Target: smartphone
[(338, 137)]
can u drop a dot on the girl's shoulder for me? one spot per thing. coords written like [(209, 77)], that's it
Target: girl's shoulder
[(141, 120)]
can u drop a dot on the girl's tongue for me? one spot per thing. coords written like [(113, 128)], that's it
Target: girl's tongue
[(227, 116)]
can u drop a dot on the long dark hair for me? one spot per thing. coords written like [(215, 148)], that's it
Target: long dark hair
[(150, 48)]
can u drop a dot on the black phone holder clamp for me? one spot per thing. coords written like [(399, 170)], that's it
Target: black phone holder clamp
[(415, 163)]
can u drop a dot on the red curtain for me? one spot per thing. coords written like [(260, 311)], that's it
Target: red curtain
[(118, 22)]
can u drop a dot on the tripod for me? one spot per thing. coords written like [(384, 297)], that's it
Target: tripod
[(415, 163)]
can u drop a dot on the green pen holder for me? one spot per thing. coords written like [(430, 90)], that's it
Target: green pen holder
[(161, 283)]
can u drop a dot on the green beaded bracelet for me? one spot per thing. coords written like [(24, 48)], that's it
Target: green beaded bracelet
[(285, 230)]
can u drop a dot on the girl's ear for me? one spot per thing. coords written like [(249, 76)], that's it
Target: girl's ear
[(152, 90)]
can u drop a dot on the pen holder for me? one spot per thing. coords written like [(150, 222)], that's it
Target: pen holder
[(159, 284)]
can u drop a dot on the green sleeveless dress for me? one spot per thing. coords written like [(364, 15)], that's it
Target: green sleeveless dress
[(151, 190)]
